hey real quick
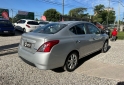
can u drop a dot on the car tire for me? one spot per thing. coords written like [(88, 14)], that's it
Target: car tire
[(24, 30), (105, 47), (71, 62), (13, 34)]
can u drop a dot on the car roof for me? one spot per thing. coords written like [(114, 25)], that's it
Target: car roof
[(71, 22), (27, 19)]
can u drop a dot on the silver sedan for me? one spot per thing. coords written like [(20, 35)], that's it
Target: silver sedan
[(62, 44)]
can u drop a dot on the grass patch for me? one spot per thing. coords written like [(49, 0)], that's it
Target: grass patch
[(120, 35)]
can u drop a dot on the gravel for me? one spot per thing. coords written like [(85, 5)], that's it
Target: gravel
[(13, 71)]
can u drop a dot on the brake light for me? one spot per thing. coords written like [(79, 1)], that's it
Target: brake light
[(47, 46), (27, 25)]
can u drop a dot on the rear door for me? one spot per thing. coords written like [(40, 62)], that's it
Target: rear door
[(81, 39), (96, 37)]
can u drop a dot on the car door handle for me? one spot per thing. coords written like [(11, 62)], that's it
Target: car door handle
[(78, 41)]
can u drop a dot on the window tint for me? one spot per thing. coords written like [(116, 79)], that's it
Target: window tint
[(21, 21), (5, 23), (32, 23), (92, 29), (50, 28), (43, 22), (73, 30), (78, 29)]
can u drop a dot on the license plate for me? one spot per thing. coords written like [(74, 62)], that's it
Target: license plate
[(5, 31), (27, 44)]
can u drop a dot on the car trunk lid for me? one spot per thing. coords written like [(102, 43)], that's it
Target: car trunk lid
[(32, 41)]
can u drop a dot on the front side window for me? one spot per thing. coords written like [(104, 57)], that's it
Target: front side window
[(92, 29), (50, 28)]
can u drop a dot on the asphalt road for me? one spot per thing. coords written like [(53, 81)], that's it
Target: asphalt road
[(96, 69)]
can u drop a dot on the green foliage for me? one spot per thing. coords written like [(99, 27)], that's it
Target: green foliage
[(120, 35), (102, 15), (99, 8), (36, 19), (52, 15), (78, 12)]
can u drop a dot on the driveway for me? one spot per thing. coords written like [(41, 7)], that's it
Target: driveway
[(96, 69), (106, 65)]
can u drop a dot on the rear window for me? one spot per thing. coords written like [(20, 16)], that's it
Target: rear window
[(50, 28), (32, 23), (5, 23)]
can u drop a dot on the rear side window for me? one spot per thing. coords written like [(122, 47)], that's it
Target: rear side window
[(32, 23)]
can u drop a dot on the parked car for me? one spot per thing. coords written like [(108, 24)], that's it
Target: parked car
[(62, 44), (6, 27), (26, 25), (42, 23), (102, 27)]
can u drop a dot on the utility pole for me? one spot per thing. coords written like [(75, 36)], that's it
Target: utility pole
[(62, 9), (108, 12), (118, 14), (12, 15)]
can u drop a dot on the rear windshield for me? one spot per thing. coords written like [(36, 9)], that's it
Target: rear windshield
[(50, 28), (5, 23), (32, 23)]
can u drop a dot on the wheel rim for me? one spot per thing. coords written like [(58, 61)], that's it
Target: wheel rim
[(72, 61), (105, 46)]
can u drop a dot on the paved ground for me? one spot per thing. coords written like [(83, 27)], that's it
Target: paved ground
[(109, 65), (96, 69)]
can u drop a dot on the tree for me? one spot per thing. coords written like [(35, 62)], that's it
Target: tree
[(78, 12), (98, 8), (52, 15), (101, 15), (36, 19)]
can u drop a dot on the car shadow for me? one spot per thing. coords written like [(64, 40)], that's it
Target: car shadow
[(88, 57), (8, 49), (29, 63), (81, 61), (120, 83), (18, 33)]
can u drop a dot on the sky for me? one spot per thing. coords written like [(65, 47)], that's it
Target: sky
[(39, 6)]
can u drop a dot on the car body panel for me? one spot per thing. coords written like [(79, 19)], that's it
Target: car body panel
[(6, 27), (84, 44), (22, 24)]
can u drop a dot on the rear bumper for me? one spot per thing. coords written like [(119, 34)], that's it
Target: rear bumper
[(39, 59)]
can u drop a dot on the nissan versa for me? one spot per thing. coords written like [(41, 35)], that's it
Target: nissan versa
[(61, 44)]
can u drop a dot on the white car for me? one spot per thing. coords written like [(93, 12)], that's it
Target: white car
[(26, 25)]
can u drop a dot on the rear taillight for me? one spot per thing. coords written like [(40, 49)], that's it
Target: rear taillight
[(27, 25), (47, 46)]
